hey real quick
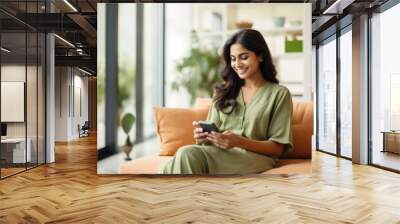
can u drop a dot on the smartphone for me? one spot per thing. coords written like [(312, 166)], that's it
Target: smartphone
[(208, 126)]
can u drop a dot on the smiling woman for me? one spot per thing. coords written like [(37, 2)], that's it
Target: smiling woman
[(251, 110)]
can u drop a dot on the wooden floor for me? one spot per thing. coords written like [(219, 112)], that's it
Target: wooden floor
[(70, 191), (387, 159), (10, 171)]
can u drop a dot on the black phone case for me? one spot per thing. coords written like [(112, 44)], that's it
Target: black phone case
[(208, 127)]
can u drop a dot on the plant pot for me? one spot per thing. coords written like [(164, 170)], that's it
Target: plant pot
[(244, 24), (127, 150), (278, 21), (293, 46)]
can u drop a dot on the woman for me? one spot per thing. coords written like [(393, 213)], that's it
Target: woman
[(252, 112)]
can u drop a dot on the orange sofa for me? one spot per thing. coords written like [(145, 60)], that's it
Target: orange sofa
[(297, 161)]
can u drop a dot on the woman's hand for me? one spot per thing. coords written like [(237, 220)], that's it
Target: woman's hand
[(198, 133), (225, 140)]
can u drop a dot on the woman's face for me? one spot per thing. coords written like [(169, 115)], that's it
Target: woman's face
[(244, 62)]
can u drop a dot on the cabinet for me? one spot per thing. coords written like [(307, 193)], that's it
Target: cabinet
[(284, 27), (391, 141), (13, 150)]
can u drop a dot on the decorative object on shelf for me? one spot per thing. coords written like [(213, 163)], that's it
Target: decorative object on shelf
[(279, 21), (293, 45), (127, 122), (199, 71), (244, 24), (212, 21), (295, 23), (216, 21)]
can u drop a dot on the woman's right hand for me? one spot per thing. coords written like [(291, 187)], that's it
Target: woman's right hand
[(198, 133)]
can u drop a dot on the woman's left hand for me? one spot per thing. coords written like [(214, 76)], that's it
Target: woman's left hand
[(225, 140)]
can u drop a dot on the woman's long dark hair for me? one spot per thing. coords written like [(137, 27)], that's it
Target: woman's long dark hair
[(227, 92)]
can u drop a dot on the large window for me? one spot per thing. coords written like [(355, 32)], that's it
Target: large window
[(13, 83), (127, 78), (177, 46), (346, 93), (140, 80), (22, 94), (152, 65), (385, 84), (327, 96), (126, 101)]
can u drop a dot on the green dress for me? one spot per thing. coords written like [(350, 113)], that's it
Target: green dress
[(267, 116)]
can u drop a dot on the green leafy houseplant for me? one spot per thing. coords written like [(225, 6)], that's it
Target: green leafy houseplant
[(126, 86), (126, 83), (199, 71), (127, 122)]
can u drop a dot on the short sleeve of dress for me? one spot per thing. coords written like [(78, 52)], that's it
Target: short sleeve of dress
[(280, 128)]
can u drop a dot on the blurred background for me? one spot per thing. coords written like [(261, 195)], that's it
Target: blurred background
[(170, 61)]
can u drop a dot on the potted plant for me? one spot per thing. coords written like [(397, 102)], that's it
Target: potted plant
[(127, 122), (199, 71)]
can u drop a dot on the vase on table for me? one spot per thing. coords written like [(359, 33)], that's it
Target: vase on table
[(127, 150)]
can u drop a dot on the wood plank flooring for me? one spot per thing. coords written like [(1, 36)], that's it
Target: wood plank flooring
[(10, 171), (70, 191)]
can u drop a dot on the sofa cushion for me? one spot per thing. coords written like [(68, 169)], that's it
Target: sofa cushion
[(144, 165), (150, 165), (302, 127), (174, 127)]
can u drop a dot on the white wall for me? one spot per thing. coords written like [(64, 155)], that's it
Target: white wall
[(12, 73), (80, 94), (33, 126), (61, 103), (71, 87)]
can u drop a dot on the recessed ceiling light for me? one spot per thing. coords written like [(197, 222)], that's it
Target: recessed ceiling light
[(64, 40), (5, 50), (70, 5), (84, 71), (338, 6)]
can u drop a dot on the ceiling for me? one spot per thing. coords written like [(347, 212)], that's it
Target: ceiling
[(76, 22), (75, 43)]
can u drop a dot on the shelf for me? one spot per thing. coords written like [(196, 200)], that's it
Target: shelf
[(275, 30), (288, 55), (215, 23), (209, 33), (271, 31), (289, 82)]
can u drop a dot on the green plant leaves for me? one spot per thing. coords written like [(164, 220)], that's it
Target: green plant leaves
[(127, 122), (198, 71)]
